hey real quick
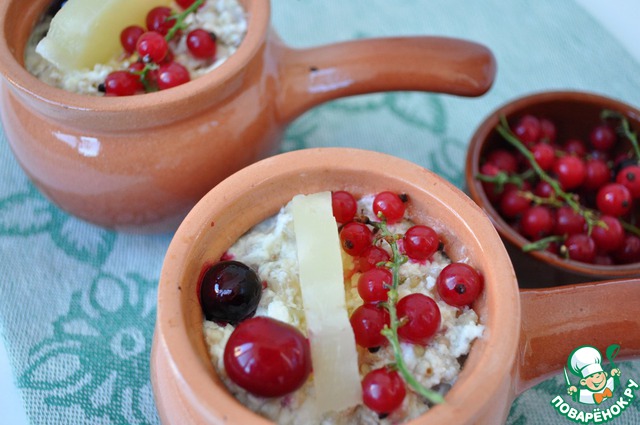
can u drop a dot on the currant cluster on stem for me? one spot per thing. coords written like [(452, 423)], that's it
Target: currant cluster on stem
[(155, 67), (383, 319), (574, 197)]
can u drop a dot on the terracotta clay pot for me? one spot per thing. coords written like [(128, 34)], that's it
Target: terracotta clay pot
[(575, 114), (140, 163), (528, 335)]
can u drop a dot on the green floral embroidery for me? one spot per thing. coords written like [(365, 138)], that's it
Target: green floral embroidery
[(27, 213), (98, 357)]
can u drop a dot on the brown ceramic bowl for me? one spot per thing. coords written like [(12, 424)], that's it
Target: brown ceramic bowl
[(528, 335), (139, 163), (574, 114)]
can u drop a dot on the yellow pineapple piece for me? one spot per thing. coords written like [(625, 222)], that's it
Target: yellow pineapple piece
[(87, 32)]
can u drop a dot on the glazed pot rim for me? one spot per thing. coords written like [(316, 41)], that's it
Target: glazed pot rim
[(258, 21), (502, 320), (517, 106)]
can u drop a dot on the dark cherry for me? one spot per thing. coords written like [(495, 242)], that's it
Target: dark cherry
[(229, 292)]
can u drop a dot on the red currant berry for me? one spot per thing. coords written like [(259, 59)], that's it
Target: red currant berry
[(548, 130), (355, 238), (602, 137), (490, 189), (186, 3), (581, 247), (459, 284), (383, 391), (545, 155), (121, 83), (537, 222), (266, 357), (390, 205), (344, 206), (152, 47), (575, 147), (171, 75), (420, 242), (614, 199), (568, 222), (597, 174), (608, 238), (504, 160), (374, 284), (528, 130), (570, 171), (371, 257), (201, 44), (229, 292), (513, 204), (629, 252), (158, 20), (367, 322), (129, 37), (629, 177), (422, 316), (543, 189)]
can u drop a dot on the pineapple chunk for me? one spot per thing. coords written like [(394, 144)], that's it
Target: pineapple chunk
[(333, 347), (87, 32)]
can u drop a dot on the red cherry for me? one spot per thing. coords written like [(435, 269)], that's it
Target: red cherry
[(570, 171), (383, 391), (344, 206), (629, 177), (390, 205), (355, 238), (374, 284), (459, 284), (367, 322), (420, 242), (422, 316), (602, 137), (186, 3), (614, 199), (548, 130), (267, 358), (543, 189), (490, 189), (608, 238), (513, 203), (171, 75)]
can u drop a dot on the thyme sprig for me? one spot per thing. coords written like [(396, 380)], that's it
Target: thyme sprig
[(383, 235)]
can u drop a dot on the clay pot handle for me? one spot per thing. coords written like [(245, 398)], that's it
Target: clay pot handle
[(556, 321), (433, 64)]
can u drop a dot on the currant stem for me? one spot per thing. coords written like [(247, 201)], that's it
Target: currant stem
[(625, 129), (180, 17), (391, 332), (543, 243)]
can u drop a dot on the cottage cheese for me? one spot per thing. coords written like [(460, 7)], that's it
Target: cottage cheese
[(269, 248), (225, 18)]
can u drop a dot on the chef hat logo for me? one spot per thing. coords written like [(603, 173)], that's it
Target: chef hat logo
[(585, 361)]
